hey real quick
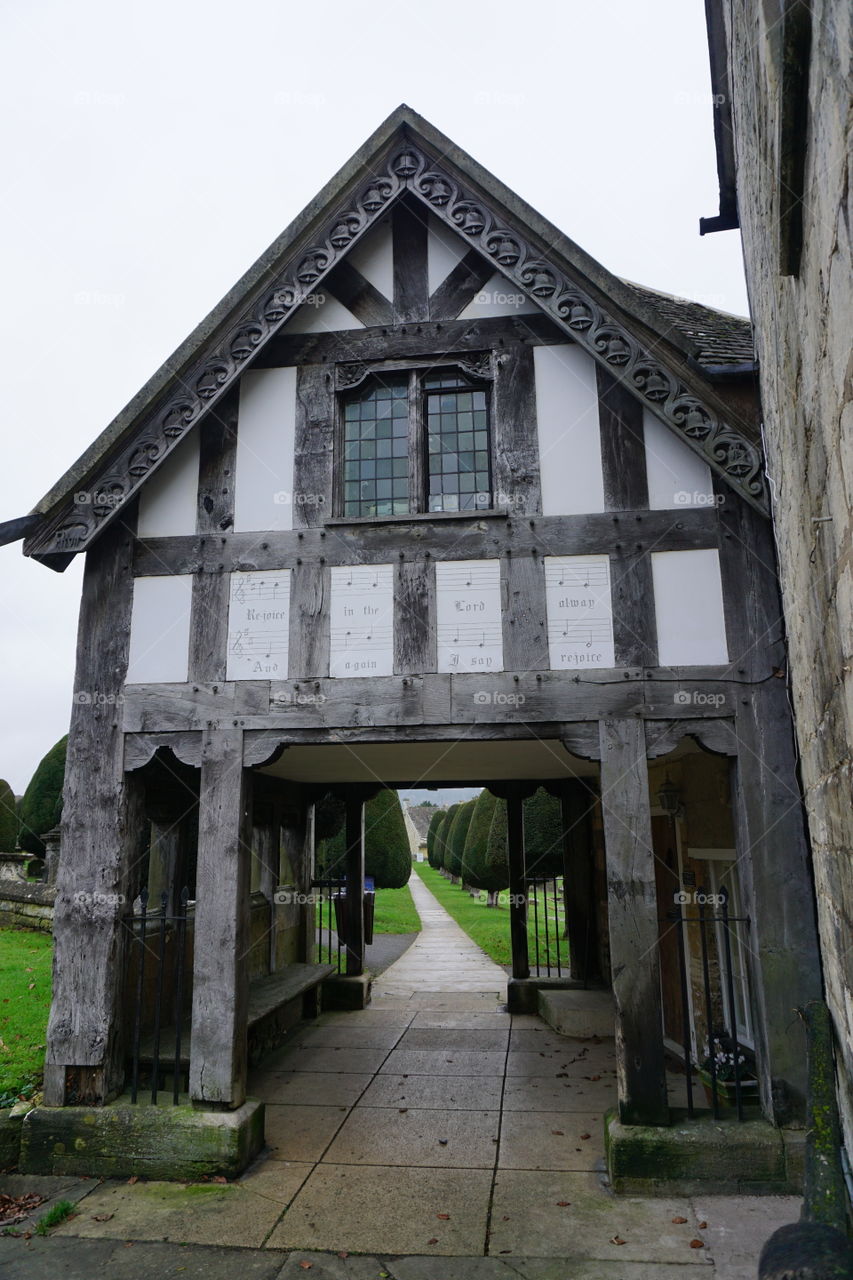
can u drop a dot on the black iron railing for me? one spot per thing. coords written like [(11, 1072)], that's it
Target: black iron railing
[(716, 930), (547, 944), (330, 920), (154, 934)]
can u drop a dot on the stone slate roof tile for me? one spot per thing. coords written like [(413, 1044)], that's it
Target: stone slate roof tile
[(717, 337)]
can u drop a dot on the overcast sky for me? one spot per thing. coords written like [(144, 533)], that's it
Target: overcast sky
[(152, 152)]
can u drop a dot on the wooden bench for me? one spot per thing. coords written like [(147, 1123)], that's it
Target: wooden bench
[(272, 1011)]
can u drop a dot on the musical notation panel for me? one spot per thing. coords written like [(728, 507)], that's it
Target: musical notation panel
[(362, 621), (580, 618), (468, 615), (258, 625)]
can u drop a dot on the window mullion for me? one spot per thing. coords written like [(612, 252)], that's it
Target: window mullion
[(417, 446)]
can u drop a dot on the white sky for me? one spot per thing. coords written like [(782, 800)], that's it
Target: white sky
[(152, 152)]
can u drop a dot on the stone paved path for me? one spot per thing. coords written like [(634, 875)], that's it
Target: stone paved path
[(431, 1136)]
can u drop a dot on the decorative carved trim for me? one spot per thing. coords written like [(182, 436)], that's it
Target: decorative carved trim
[(477, 364), (663, 736), (605, 338), (262, 746), (220, 364), (140, 748), (582, 740)]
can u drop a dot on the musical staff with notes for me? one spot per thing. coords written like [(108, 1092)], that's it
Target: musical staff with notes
[(361, 631), (580, 620), (468, 615), (258, 625)]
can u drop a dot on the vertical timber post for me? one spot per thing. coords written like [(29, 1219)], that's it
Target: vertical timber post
[(633, 922), (354, 913), (220, 970), (517, 882)]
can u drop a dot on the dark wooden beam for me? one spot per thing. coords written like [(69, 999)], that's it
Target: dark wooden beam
[(516, 478), (367, 304), (354, 857), (460, 537), (461, 286), (409, 237), (314, 447), (217, 466), (623, 452), (220, 968), (633, 923), (414, 622), (102, 835), (517, 881)]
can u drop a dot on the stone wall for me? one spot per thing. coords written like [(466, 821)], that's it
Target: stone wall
[(803, 329), (26, 906)]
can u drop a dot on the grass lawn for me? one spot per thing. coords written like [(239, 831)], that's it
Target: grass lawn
[(25, 982), (487, 926), (395, 912)]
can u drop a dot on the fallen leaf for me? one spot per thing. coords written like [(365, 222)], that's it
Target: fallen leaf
[(343, 1255), (219, 1179), (434, 1240), (563, 1204), (584, 1136), (101, 1217), (618, 1240), (132, 1180), (402, 1110), (442, 1142), (505, 1218), (679, 1221), (306, 1266), (445, 1217), (703, 1226), (697, 1244), (558, 1133)]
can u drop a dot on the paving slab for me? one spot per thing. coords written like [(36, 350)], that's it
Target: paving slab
[(476, 1020), (301, 1132), (81, 1259), (365, 1209), (448, 1139), (440, 1038), (571, 1060), (197, 1213), (467, 1093), (570, 1215), (552, 1140), (556, 1093), (339, 1035), (372, 1017), (331, 1266), (737, 1226), (309, 1088), (341, 1059), (438, 1062)]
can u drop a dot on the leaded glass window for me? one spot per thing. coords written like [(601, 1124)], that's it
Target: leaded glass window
[(376, 450), (457, 421), (416, 441)]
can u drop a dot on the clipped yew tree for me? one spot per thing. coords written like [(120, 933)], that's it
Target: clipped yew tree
[(476, 839), (39, 803), (387, 856), (496, 861), (386, 846), (8, 818), (543, 835), (432, 849), (442, 839), (456, 841)]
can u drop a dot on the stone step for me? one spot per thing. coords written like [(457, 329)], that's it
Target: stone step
[(579, 1013)]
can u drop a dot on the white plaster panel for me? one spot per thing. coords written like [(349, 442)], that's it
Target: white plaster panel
[(263, 498), (258, 625), (677, 477), (444, 250), (168, 500), (374, 258), (160, 630), (498, 297), (580, 617), (322, 314), (468, 615), (361, 621), (568, 431), (688, 592)]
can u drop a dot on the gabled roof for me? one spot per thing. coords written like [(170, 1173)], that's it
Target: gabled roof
[(421, 818), (655, 346)]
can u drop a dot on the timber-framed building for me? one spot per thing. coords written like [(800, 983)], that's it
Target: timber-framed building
[(430, 498)]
